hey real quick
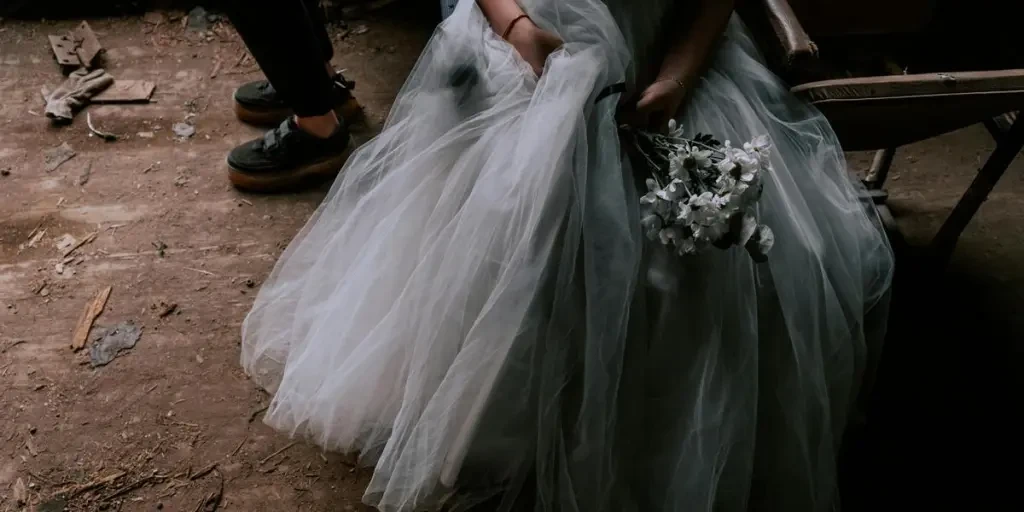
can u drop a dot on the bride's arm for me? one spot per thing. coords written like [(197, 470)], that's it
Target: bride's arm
[(509, 20), (689, 52)]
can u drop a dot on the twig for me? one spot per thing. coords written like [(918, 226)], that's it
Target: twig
[(275, 454), (107, 136), (212, 502), (203, 472), (95, 483), (130, 487), (15, 343), (239, 447), (252, 416), (207, 272), (40, 477)]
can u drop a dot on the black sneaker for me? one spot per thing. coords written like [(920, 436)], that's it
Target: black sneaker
[(259, 103), (286, 158)]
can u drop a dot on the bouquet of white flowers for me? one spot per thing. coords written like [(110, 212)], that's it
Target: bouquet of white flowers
[(701, 193)]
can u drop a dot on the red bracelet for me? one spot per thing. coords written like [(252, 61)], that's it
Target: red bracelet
[(512, 25)]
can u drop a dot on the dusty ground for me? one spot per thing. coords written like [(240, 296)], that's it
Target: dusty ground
[(171, 231)]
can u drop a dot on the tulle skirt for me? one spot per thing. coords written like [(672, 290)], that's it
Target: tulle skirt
[(474, 308)]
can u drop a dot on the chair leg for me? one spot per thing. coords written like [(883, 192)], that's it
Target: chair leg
[(879, 171), (1007, 148)]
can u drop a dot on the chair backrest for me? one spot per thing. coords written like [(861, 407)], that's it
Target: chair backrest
[(829, 18)]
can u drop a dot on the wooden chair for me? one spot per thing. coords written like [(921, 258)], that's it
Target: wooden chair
[(870, 66)]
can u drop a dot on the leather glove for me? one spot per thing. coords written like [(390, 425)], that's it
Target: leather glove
[(75, 93)]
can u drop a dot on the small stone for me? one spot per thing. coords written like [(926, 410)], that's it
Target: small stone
[(184, 130), (5, 172), (145, 135), (249, 283), (360, 30)]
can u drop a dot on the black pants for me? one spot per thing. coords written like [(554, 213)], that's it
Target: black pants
[(288, 39)]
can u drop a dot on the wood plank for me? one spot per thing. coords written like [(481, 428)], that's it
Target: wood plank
[(126, 91)]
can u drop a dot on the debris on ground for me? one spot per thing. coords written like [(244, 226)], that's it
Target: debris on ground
[(65, 242), (34, 237), (167, 309), (198, 19), (360, 30), (87, 45), (160, 248), (145, 135), (76, 92), (89, 315), (109, 343), (126, 91), (183, 130), (77, 48), (74, 247), (5, 172), (54, 505), (155, 18), (20, 493), (83, 178), (55, 157), (107, 136)]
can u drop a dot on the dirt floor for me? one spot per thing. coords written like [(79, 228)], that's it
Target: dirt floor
[(183, 254)]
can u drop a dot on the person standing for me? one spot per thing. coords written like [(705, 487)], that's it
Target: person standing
[(303, 96)]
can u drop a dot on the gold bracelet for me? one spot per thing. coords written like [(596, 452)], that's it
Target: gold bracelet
[(512, 24), (676, 80)]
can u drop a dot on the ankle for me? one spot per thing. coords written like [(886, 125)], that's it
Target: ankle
[(319, 126)]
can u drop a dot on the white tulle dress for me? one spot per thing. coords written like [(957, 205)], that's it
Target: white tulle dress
[(475, 309)]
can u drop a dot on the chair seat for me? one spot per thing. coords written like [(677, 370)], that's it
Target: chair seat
[(890, 111)]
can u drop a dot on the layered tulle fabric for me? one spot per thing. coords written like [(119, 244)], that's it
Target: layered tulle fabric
[(474, 309)]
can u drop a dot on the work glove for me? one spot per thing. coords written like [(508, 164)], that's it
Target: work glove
[(75, 93)]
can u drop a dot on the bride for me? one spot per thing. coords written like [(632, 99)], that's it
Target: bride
[(475, 310)]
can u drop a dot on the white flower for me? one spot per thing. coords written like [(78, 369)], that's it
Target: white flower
[(684, 212), (672, 192), (652, 195), (762, 144), (687, 247), (670, 235), (702, 200), (672, 125), (652, 225), (703, 158)]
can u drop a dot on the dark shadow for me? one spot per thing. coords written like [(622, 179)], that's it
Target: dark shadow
[(943, 425)]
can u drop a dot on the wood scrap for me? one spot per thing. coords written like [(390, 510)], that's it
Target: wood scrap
[(92, 311), (126, 91), (88, 238)]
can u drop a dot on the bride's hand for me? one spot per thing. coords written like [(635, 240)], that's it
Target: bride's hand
[(533, 43), (658, 104)]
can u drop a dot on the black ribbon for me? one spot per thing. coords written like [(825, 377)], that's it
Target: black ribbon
[(611, 90)]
